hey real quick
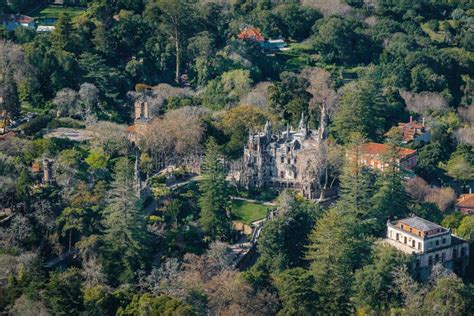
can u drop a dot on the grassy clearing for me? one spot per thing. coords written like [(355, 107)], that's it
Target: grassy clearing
[(53, 12), (248, 212)]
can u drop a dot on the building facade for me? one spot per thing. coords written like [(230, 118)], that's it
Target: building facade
[(415, 131), (271, 160), (465, 204), (372, 155), (429, 243), (141, 122)]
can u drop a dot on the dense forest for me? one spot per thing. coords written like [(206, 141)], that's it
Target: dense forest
[(78, 234)]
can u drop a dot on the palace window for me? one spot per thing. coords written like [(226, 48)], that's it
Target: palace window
[(419, 245), (437, 242), (442, 257), (430, 260), (455, 253), (444, 240), (413, 243)]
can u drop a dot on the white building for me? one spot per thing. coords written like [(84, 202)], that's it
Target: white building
[(429, 243), (12, 21)]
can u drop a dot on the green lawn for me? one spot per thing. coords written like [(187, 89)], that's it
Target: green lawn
[(53, 12), (248, 212)]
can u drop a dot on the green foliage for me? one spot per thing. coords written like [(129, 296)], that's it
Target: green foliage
[(282, 241), (63, 294), (361, 109), (342, 41), (215, 199), (295, 290), (160, 305), (289, 98), (374, 285), (126, 238), (334, 251)]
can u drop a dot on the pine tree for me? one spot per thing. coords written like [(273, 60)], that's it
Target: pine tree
[(9, 91), (356, 180), (215, 197), (126, 236), (391, 199), (335, 249)]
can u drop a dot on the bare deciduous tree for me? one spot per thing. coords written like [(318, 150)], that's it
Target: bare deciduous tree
[(258, 96), (66, 102), (157, 96), (324, 96), (329, 7), (110, 137), (465, 135), (424, 103), (26, 306), (175, 137), (444, 198)]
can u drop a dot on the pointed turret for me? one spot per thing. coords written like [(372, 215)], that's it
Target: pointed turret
[(268, 130), (302, 127)]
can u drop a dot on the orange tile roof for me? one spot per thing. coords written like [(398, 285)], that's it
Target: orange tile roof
[(465, 200), (7, 136), (132, 128), (251, 34), (375, 149)]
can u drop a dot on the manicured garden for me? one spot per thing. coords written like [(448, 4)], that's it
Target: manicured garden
[(50, 13), (248, 212)]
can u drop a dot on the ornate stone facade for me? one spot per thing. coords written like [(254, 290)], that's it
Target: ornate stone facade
[(271, 159)]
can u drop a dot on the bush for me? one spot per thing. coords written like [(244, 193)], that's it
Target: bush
[(65, 122)]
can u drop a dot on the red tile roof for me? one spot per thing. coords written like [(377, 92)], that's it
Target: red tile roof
[(375, 149), (7, 136), (132, 129), (466, 200), (251, 34)]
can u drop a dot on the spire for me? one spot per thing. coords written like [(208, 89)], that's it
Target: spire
[(302, 125), (268, 130)]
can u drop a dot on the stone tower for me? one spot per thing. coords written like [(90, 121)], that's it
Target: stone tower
[(47, 170), (141, 111)]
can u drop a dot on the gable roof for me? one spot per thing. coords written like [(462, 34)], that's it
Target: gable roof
[(375, 149), (420, 223), (466, 200), (251, 34)]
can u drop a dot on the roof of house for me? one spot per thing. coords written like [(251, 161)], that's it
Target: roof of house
[(19, 18), (132, 128), (420, 223), (251, 34), (375, 149), (466, 200), (7, 136)]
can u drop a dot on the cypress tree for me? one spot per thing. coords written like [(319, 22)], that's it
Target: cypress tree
[(11, 102), (126, 236), (215, 196)]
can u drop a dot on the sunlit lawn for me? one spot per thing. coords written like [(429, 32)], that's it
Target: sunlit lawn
[(248, 212)]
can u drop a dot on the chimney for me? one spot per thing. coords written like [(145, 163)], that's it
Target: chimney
[(47, 170), (145, 113), (423, 122), (411, 119), (138, 110)]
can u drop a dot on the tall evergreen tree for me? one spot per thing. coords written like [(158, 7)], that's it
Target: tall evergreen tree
[(391, 199), (9, 93), (335, 249), (215, 198), (360, 110), (356, 180), (126, 236)]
